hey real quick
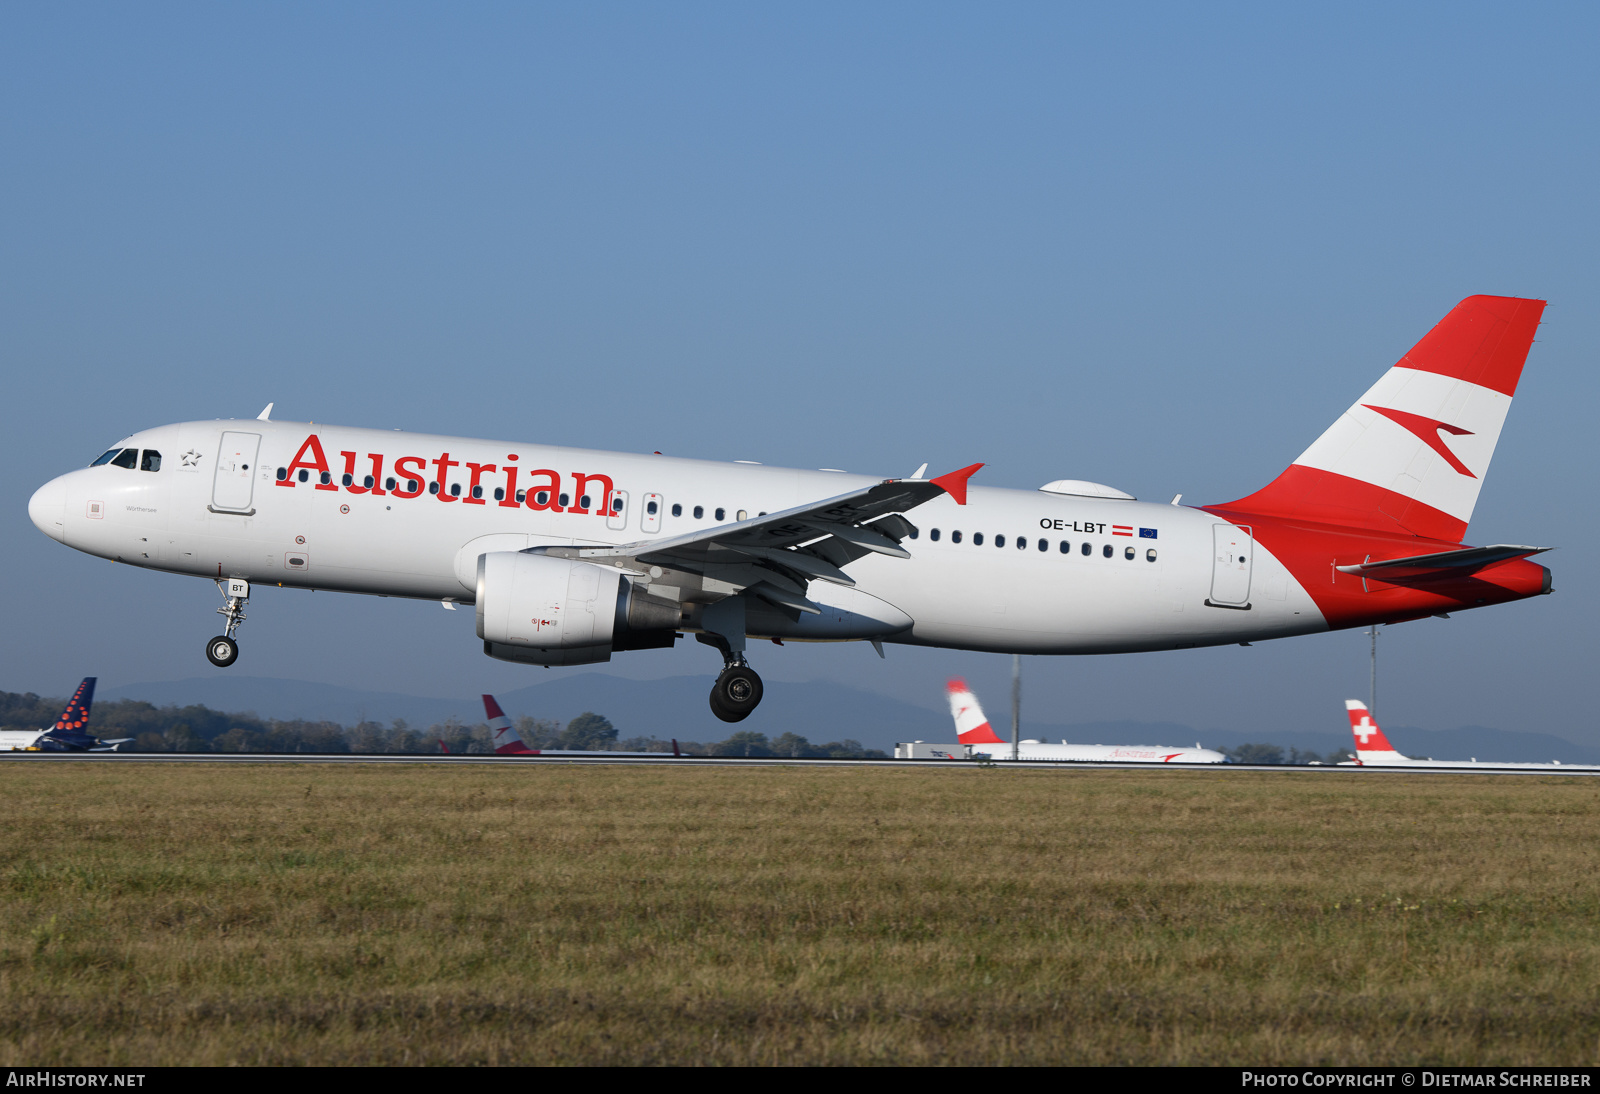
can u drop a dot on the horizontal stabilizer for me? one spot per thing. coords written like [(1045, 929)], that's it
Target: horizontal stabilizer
[(1442, 564)]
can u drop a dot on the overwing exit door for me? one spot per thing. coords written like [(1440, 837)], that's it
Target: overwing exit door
[(232, 487), (1234, 550)]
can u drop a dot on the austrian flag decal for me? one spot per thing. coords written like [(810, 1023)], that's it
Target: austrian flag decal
[(1122, 529)]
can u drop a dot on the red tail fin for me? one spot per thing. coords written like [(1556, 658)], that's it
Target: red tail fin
[(1369, 738), (1410, 455)]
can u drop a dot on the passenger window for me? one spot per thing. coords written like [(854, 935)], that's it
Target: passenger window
[(325, 479), (699, 511), (388, 484), (583, 501), (722, 514), (348, 480), (1022, 543), (977, 540), (651, 507), (1150, 555), (677, 509), (999, 541), (743, 514), (126, 458), (934, 535), (367, 482), (305, 476), (955, 537), (106, 458), (1106, 550), (477, 491), (616, 505), (1044, 545), (1066, 548), (499, 493), (1087, 550), (913, 532), (542, 498), (563, 500), (150, 461), (522, 495), (1128, 553), (455, 490), (283, 474), (433, 487)]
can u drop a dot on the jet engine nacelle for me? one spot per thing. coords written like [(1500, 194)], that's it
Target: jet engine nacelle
[(557, 611)]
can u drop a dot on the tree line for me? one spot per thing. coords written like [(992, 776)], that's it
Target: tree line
[(200, 729), (1272, 754)]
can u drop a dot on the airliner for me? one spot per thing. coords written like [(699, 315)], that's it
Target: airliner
[(68, 734), (508, 742), (569, 556), (974, 731), (1374, 750)]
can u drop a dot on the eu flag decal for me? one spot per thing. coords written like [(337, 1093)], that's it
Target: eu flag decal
[(1147, 533)]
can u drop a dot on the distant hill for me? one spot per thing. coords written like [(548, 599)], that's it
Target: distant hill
[(291, 699), (673, 707), (676, 707)]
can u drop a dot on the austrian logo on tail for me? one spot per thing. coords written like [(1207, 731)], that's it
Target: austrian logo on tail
[(507, 741), (972, 728)]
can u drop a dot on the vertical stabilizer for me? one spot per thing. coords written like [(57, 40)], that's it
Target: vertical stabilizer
[(1372, 747), (1410, 455), (76, 716), (507, 741), (972, 728)]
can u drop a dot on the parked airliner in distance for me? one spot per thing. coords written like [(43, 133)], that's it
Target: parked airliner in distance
[(68, 734), (1374, 750), (508, 742), (982, 742), (570, 555)]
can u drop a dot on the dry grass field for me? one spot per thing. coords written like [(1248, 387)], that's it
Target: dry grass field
[(562, 914)]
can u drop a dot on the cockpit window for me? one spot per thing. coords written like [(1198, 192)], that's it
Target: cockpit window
[(106, 458), (151, 461), (128, 457)]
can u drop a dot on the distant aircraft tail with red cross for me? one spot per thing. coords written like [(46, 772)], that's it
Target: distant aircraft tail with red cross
[(1372, 747)]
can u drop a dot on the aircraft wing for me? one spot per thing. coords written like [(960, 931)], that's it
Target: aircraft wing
[(777, 554), (1442, 564)]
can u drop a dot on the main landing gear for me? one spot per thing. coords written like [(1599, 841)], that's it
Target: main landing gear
[(222, 650), (737, 691)]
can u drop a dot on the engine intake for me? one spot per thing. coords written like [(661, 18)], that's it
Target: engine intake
[(548, 611)]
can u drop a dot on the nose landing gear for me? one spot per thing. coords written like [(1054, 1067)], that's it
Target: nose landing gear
[(222, 650)]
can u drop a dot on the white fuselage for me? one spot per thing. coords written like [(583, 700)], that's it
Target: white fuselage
[(1397, 760), (1095, 575), (19, 740), (1104, 754)]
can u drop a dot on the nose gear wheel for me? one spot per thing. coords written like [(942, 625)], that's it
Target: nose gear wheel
[(223, 650)]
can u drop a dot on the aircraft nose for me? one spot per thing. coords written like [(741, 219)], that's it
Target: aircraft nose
[(48, 509)]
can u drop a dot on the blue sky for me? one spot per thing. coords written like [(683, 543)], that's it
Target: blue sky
[(1160, 246)]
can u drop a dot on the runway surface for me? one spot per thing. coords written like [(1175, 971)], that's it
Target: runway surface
[(735, 761)]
